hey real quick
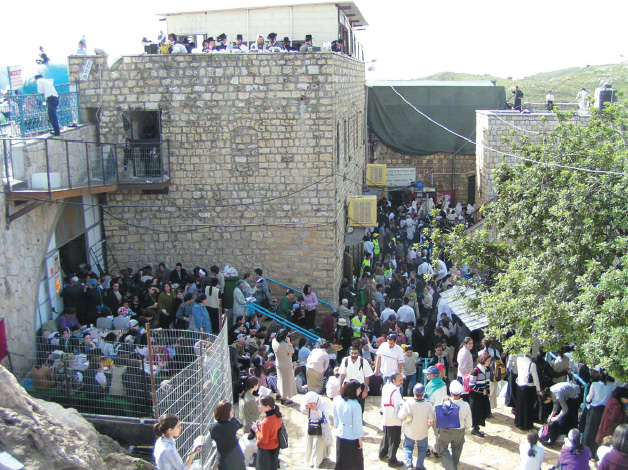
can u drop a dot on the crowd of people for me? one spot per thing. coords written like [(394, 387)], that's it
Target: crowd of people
[(172, 44), (391, 337)]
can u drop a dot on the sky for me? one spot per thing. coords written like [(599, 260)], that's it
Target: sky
[(407, 38)]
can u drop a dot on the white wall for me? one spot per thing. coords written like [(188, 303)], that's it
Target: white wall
[(321, 21)]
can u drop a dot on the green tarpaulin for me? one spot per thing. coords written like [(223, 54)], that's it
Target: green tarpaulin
[(403, 129)]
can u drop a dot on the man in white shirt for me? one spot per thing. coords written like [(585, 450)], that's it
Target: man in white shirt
[(369, 246), (416, 415), (315, 367), (46, 88), (386, 313), (389, 358), (390, 405), (358, 368), (406, 314), (454, 436), (425, 268)]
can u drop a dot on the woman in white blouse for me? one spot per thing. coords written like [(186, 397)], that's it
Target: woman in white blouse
[(165, 452)]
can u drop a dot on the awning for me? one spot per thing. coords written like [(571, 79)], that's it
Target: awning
[(452, 298)]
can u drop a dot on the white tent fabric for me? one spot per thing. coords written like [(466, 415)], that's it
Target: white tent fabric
[(454, 301)]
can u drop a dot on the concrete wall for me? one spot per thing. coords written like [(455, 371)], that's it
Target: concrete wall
[(438, 170), (319, 20), (24, 245), (243, 128), (495, 132)]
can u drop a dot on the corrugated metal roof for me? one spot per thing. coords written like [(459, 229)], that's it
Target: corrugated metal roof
[(452, 297)]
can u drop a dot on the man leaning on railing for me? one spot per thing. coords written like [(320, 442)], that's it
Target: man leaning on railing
[(46, 88)]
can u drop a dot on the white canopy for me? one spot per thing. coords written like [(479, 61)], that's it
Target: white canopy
[(455, 300)]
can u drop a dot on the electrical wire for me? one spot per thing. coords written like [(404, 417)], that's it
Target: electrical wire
[(559, 165)]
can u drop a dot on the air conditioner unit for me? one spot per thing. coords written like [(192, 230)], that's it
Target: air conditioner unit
[(363, 211), (376, 175)]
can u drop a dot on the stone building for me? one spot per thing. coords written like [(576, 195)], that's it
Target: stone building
[(419, 125), (325, 21), (496, 133), (264, 150)]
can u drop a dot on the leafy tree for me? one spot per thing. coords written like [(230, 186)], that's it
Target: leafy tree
[(558, 270)]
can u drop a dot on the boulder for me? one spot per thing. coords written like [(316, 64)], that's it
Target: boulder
[(43, 435)]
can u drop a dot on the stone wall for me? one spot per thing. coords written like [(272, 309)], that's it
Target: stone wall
[(439, 170), (24, 244), (264, 149), (495, 132)]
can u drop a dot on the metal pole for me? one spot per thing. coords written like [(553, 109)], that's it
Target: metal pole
[(67, 159), (48, 171), (152, 372), (89, 171), (115, 159), (202, 386), (102, 164)]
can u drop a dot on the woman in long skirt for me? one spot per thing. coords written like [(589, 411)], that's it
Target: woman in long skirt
[(286, 383), (479, 396), (528, 385), (348, 420)]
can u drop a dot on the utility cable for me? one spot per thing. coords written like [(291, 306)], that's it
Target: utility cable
[(559, 165)]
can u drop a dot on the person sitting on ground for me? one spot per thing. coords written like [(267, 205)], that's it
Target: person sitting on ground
[(531, 453), (574, 455), (68, 319)]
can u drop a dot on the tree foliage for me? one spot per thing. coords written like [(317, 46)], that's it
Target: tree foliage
[(559, 266)]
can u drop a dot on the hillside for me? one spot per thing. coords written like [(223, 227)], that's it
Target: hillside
[(565, 83)]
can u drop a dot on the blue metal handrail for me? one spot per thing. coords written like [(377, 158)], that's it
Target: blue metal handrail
[(300, 292), (28, 114), (308, 334), (551, 356)]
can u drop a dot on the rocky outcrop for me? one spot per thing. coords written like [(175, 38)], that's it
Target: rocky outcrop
[(44, 435)]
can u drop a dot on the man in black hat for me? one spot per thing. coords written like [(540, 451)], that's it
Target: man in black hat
[(307, 44), (211, 45), (222, 42), (286, 44), (272, 41), (240, 45)]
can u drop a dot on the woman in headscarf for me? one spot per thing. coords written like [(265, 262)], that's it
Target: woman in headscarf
[(574, 455), (317, 410), (286, 382), (614, 413)]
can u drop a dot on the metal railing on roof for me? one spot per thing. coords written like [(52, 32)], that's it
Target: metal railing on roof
[(300, 292), (28, 114)]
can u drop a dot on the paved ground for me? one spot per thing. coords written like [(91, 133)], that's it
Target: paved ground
[(499, 450)]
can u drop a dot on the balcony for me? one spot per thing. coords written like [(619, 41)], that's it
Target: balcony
[(27, 115), (52, 168)]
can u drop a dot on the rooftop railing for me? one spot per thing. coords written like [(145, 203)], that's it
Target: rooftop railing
[(28, 114)]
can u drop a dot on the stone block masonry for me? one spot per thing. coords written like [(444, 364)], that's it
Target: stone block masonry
[(443, 170), (264, 151), (496, 131)]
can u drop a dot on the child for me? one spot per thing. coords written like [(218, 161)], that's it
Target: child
[(409, 328), (333, 383), (299, 378)]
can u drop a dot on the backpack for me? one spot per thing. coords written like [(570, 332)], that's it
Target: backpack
[(447, 415), (361, 362), (498, 369), (282, 437), (466, 382)]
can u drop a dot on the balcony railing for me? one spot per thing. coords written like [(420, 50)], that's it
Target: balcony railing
[(58, 166), (28, 114)]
